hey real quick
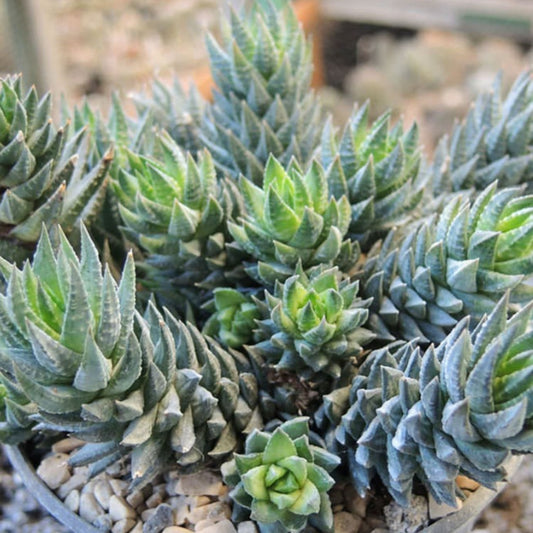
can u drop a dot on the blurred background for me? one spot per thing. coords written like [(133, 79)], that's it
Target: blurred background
[(426, 59)]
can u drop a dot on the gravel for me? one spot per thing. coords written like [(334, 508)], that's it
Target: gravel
[(200, 502)]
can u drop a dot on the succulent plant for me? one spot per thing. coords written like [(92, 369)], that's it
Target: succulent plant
[(76, 357), (263, 104), (492, 143), (66, 332), (461, 408), (456, 265), (378, 168), (43, 177), (172, 109), (233, 317), (175, 211), (291, 220), (283, 479), (314, 325)]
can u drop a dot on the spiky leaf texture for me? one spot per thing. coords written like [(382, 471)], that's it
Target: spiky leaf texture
[(263, 104), (493, 142), (171, 108), (75, 356), (233, 316), (117, 134), (458, 264), (292, 219), (461, 408), (314, 325), (66, 332), (43, 179), (175, 210), (283, 479), (378, 168)]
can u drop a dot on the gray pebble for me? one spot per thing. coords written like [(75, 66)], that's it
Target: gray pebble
[(162, 518)]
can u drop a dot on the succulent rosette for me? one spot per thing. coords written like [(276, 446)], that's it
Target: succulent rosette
[(292, 219), (378, 168), (283, 479), (315, 324), (458, 264), (44, 177), (66, 333), (233, 317), (175, 210)]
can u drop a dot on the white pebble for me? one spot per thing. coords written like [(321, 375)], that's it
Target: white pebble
[(220, 527), (213, 511), (123, 526), (246, 527), (138, 527), (180, 508), (135, 498), (89, 508), (54, 470), (103, 493), (72, 501), (154, 500), (119, 508), (120, 488), (67, 445), (76, 482), (146, 515)]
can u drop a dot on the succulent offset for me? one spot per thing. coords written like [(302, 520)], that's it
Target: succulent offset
[(233, 317), (456, 265), (283, 479), (460, 408), (291, 219), (314, 325), (263, 104), (378, 168)]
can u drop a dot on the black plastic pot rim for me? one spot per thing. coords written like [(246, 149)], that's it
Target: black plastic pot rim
[(461, 521)]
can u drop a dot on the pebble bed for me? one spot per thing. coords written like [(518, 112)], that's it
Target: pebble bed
[(176, 503)]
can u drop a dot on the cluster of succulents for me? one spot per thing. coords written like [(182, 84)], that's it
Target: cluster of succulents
[(270, 332)]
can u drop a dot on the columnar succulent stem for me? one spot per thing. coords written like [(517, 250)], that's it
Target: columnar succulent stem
[(462, 407)]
